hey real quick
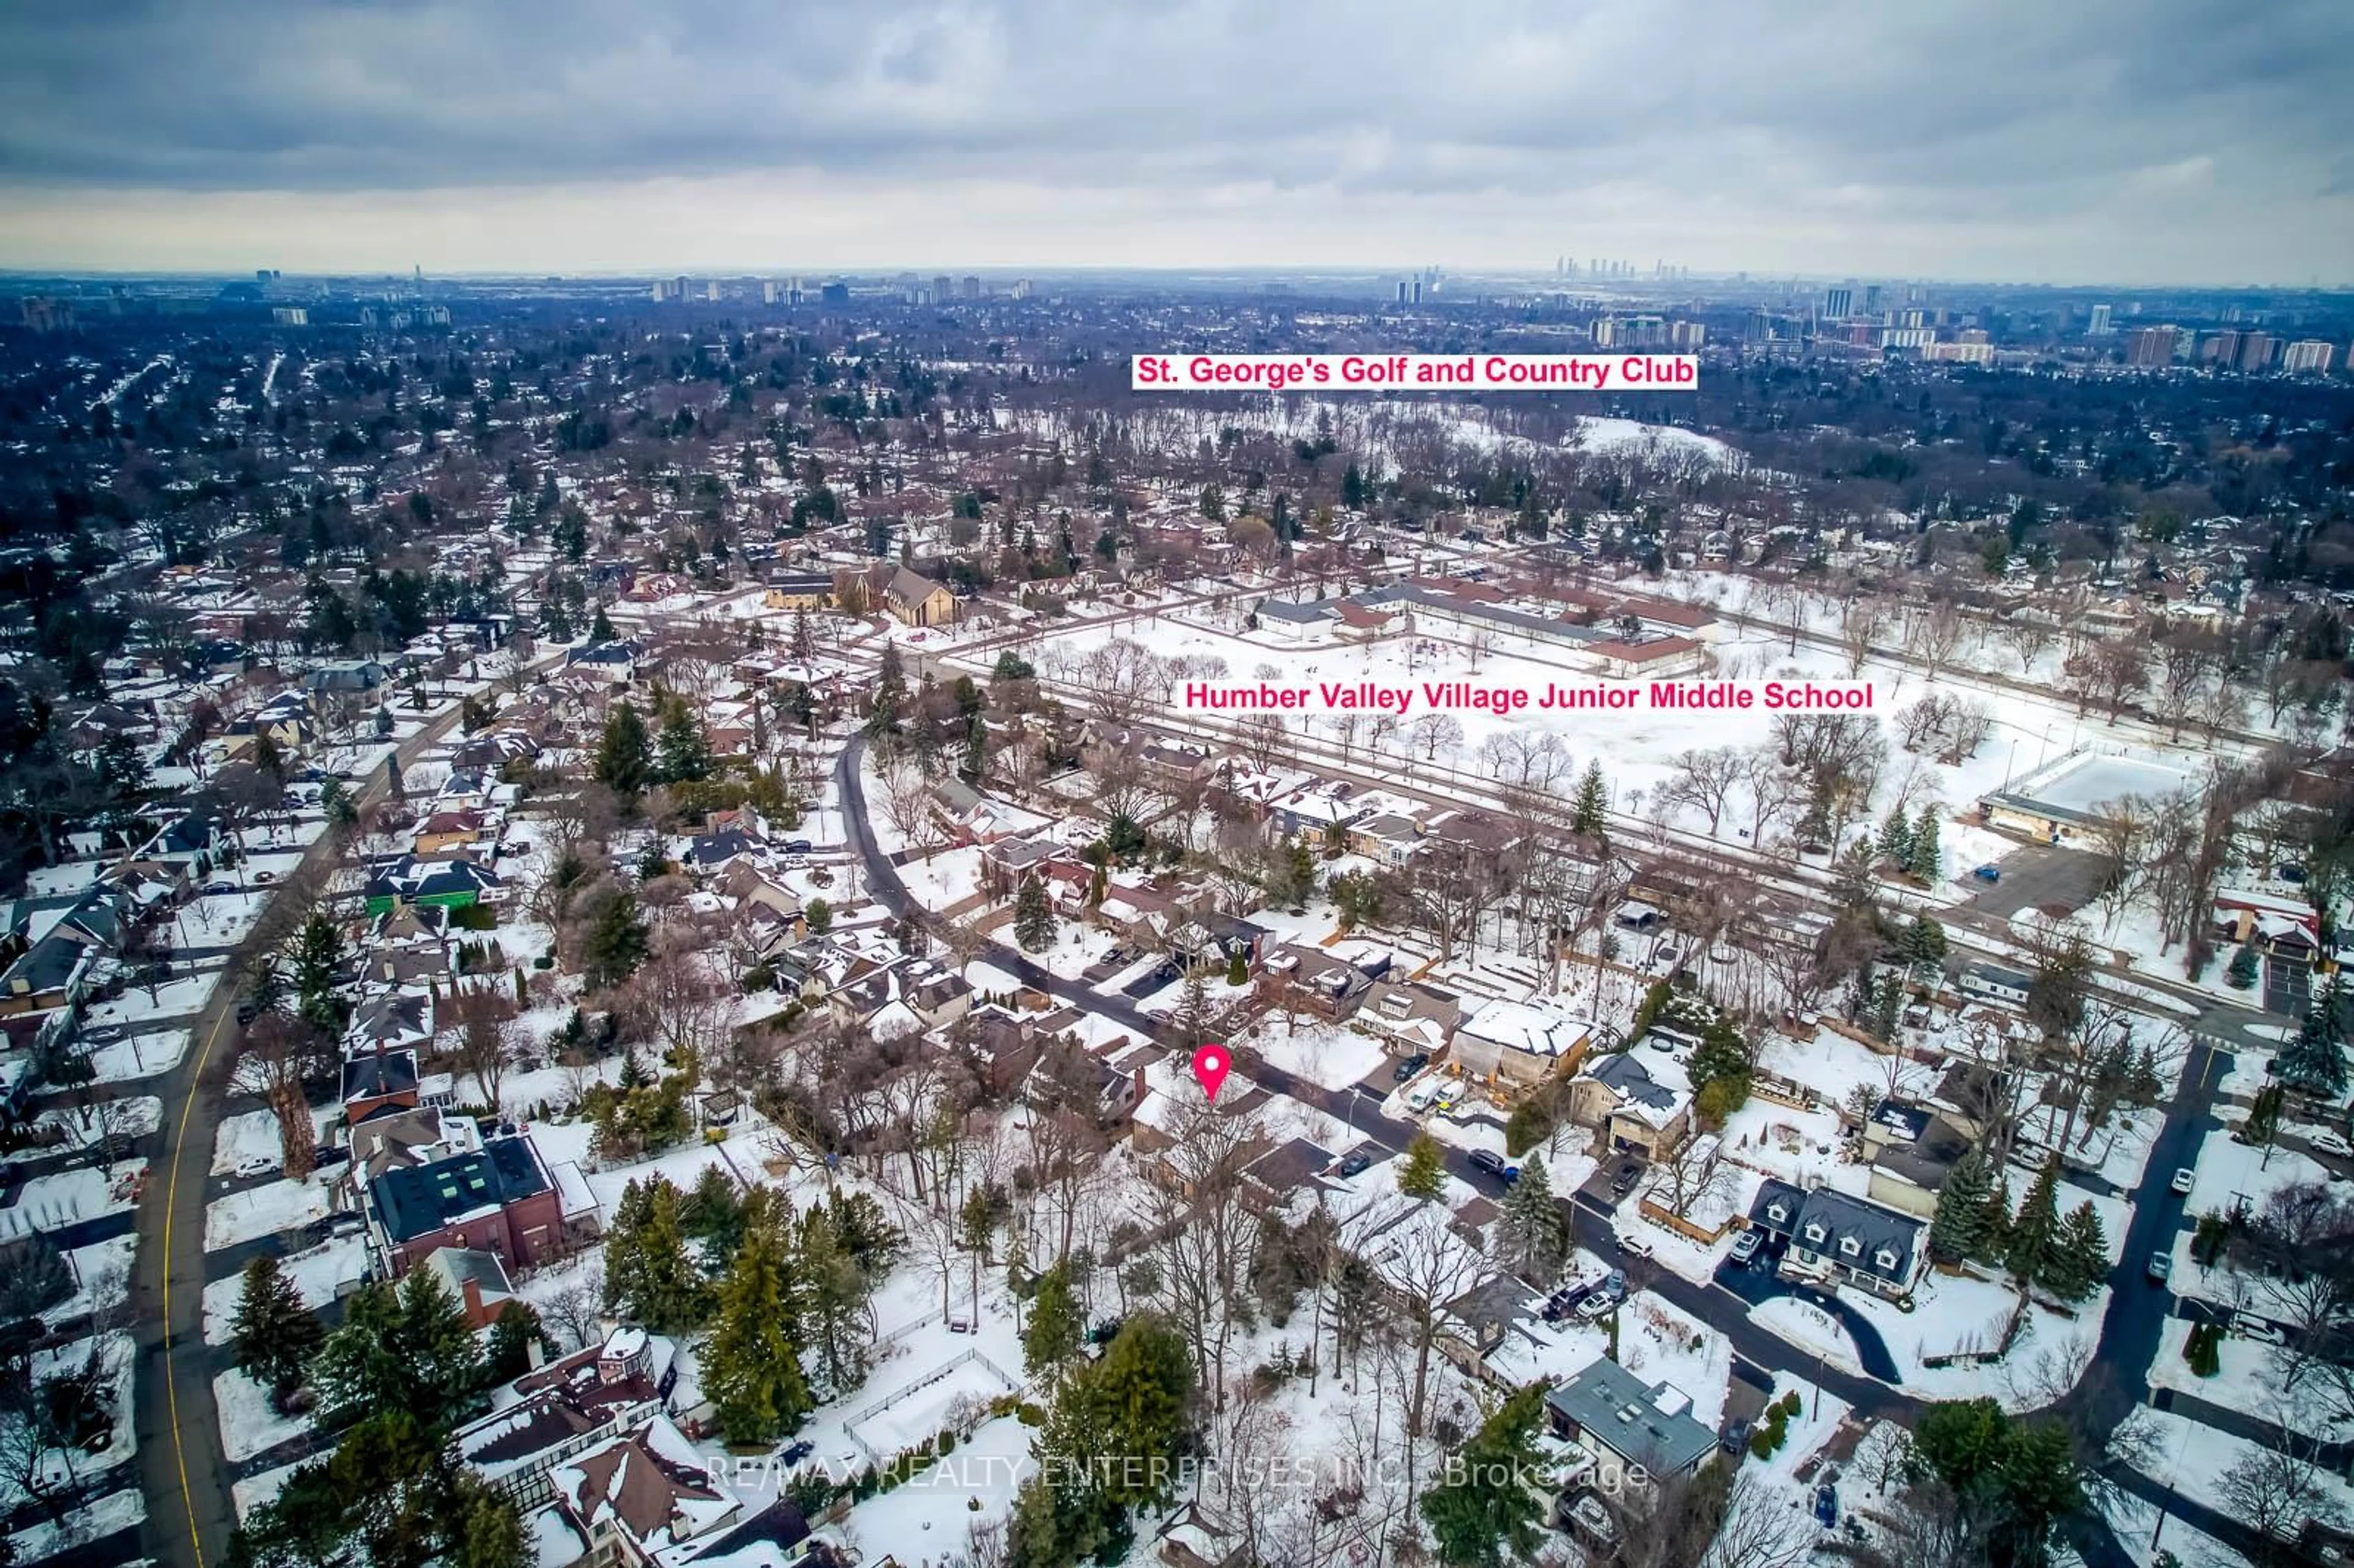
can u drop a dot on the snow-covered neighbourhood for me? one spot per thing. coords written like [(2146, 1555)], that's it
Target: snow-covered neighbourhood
[(610, 968)]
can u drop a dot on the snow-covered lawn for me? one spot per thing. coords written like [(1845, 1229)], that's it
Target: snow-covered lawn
[(948, 877), (2193, 1459), (255, 1490), (1660, 1344), (179, 998), (115, 1355), (64, 1197), (263, 1210), (109, 1515), (140, 1055), (2247, 1379), (1329, 1054), (249, 1424), (87, 1127), (317, 1274), (2232, 1173), (927, 1518), (101, 1273), (1805, 1324)]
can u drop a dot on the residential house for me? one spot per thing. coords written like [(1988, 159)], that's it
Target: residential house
[(1911, 1150), (1831, 1234), (1639, 1101), (501, 1197), (477, 1280), (381, 1079), (641, 1494), (1516, 1045), (1411, 1017), (1331, 986), (1995, 983), (451, 884), (558, 1412), (1626, 1423)]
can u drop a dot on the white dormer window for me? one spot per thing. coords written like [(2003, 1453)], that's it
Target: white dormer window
[(1886, 1259), (1778, 1213), (1851, 1248), (1816, 1232)]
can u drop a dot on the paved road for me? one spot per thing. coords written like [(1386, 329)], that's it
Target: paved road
[(181, 1467)]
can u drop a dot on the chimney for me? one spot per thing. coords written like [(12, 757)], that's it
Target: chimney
[(471, 1289)]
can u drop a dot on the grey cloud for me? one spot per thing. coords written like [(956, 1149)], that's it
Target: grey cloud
[(2020, 111)]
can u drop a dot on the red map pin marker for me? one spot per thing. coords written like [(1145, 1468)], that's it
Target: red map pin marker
[(1210, 1064)]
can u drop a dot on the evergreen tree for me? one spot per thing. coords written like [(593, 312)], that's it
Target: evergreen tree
[(1535, 1231), (1958, 1231), (601, 630), (1924, 942), (1424, 1174), (1489, 1514), (1589, 814), (648, 1273), (683, 755), (1034, 919), (514, 1332), (834, 1286), (406, 1349), (1994, 1231), (488, 1529), (1926, 861), (624, 761), (2203, 1350), (2242, 972), (1052, 1335), (2080, 1255), (1894, 846), (751, 1364), (1887, 1006), (273, 1336), (886, 707), (318, 967), (1237, 970), (2034, 1234), (1352, 487), (975, 766), (804, 642), (2314, 1061), (616, 944)]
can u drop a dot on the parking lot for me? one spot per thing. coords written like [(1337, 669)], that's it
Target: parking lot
[(2035, 875)]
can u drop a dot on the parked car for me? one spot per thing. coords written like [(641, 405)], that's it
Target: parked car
[(1635, 1246), (2248, 1326), (2184, 1180), (1734, 1439), (1410, 1066), (255, 1165), (2332, 1143), (2290, 872), (1493, 1163), (1356, 1164), (1987, 873), (794, 1453), (1746, 1246), (1630, 1172), (2161, 1265), (1601, 1304), (797, 846)]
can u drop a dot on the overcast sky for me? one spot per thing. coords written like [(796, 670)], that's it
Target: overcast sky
[(2064, 141)]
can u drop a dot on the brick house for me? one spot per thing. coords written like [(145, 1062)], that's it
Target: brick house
[(500, 1199)]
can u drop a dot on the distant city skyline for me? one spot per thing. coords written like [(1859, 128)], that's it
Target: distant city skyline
[(2173, 144)]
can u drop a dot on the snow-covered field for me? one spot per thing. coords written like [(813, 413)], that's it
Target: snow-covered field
[(65, 1197), (1329, 1054), (249, 1424), (262, 1210), (317, 1274)]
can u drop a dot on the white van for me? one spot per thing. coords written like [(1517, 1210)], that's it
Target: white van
[(1423, 1096)]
